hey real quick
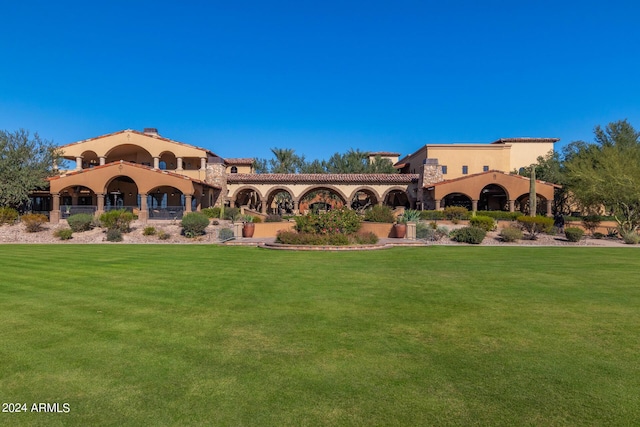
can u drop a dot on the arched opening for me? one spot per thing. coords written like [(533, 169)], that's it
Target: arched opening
[(363, 199), (397, 198), (280, 202), (167, 161), (234, 169), (77, 199), (321, 200), (122, 193), (522, 204), (457, 199), (130, 153), (166, 202), (493, 198), (249, 198), (90, 160)]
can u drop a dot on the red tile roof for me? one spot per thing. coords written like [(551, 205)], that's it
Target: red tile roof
[(448, 181), (239, 161), (320, 178), (508, 140)]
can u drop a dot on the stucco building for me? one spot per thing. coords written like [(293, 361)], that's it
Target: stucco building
[(160, 178)]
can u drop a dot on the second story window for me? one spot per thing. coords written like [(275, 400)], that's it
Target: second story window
[(485, 169), (444, 170), (234, 169), (465, 170)]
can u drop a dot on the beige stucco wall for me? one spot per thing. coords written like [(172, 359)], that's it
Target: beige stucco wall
[(241, 168), (474, 156), (524, 154)]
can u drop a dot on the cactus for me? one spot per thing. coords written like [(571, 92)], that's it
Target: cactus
[(532, 192)]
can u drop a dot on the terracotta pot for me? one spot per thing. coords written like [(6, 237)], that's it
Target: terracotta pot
[(247, 229), (400, 230)]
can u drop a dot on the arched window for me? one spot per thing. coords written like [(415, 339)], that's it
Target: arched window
[(163, 165), (234, 169)]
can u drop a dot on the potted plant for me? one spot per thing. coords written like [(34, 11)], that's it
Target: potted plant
[(400, 227), (249, 227)]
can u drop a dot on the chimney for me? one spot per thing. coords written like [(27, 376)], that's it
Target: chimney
[(151, 131)]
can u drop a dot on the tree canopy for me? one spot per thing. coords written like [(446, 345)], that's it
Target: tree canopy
[(353, 161), (606, 173), (25, 163)]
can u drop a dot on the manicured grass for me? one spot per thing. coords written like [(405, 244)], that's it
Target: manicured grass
[(207, 335)]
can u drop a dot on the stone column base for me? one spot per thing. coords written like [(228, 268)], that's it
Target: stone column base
[(54, 217)]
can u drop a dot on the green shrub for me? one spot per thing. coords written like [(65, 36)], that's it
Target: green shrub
[(225, 234), (379, 213), (149, 231), (536, 224), (119, 219), (211, 212), (273, 218), (631, 238), (80, 222), (194, 224), (163, 235), (432, 215), (409, 215), (573, 234), (114, 235), (312, 239), (500, 215), (591, 222), (431, 233), (33, 222), (456, 213), (511, 234), (8, 215), (63, 233), (368, 238), (598, 235), (484, 222), (345, 221), (257, 219), (473, 235), (231, 213)]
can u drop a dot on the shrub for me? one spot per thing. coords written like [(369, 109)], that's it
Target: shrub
[(379, 213), (231, 213), (257, 219), (117, 220), (431, 233), (273, 218), (368, 238), (536, 224), (631, 238), (33, 222), (432, 215), (473, 235), (511, 234), (81, 222), (149, 231), (8, 215), (215, 222), (500, 215), (597, 235), (225, 234), (211, 212), (591, 222), (63, 233), (163, 235), (573, 234), (114, 235), (456, 213), (343, 220), (409, 215), (194, 223), (484, 222)]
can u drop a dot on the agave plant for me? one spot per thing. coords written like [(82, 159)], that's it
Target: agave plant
[(410, 215)]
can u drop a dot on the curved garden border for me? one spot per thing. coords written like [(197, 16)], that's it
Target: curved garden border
[(285, 247)]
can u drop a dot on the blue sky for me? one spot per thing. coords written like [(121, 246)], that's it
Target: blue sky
[(320, 77)]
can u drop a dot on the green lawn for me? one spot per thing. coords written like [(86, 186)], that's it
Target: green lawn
[(208, 335)]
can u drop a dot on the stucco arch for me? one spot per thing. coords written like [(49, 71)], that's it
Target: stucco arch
[(320, 187), (458, 199), (238, 190), (366, 189), (493, 197), (90, 159), (169, 158), (129, 153)]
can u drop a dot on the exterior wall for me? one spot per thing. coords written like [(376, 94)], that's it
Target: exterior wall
[(380, 229), (270, 229), (475, 157), (241, 168), (526, 153)]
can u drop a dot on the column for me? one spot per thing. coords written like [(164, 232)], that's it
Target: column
[(203, 163), (54, 215), (438, 204), (156, 162), (78, 163), (100, 202), (474, 206), (264, 207), (143, 215), (512, 205), (549, 207), (295, 207), (187, 202), (179, 166), (103, 160)]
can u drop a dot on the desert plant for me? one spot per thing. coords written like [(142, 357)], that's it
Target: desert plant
[(225, 234), (431, 233), (591, 222), (630, 237), (194, 224), (273, 218), (409, 215), (379, 213), (80, 222), (119, 219), (114, 235), (33, 222), (473, 235), (368, 238), (149, 231), (456, 213), (511, 234), (535, 224), (500, 215), (598, 235), (257, 219), (432, 215), (163, 235), (573, 234), (484, 222), (63, 233), (211, 212), (231, 213), (246, 218), (8, 215)]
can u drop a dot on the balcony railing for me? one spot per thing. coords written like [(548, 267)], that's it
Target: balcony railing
[(67, 211), (170, 212)]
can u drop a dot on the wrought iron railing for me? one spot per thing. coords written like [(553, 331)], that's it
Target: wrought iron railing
[(67, 211), (170, 212)]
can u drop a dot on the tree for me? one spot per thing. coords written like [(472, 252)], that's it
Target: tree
[(25, 163), (607, 173), (285, 161), (550, 168)]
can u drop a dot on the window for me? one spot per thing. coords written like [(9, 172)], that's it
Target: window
[(234, 169), (465, 170), (485, 169), (444, 170)]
